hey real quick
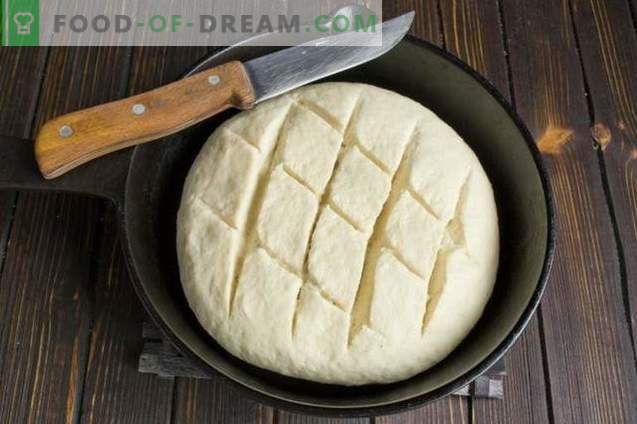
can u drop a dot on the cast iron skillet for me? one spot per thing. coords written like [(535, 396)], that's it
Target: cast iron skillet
[(145, 184)]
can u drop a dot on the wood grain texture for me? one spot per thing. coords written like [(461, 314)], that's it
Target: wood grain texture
[(590, 361), (215, 401), (608, 47), (632, 4), (426, 23), (525, 396), (154, 66), (473, 32), (165, 110), (289, 418), (450, 410), (78, 78), (45, 338), (114, 390), (7, 207), (44, 304), (20, 78)]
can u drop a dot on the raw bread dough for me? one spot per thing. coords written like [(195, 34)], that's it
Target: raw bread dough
[(341, 233)]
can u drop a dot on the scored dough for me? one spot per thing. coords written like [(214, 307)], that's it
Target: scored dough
[(340, 233)]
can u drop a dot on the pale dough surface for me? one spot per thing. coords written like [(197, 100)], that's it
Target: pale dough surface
[(341, 233)]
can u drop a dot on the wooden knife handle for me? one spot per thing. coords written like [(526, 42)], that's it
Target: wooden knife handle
[(71, 140)]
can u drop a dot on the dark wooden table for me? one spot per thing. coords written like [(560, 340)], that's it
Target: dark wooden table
[(70, 326)]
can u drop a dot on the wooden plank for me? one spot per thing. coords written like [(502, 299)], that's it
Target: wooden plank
[(525, 399), (154, 66), (115, 391), (45, 291), (290, 418), (427, 21), (452, 409), (80, 77), (215, 401), (632, 4), (608, 46), (589, 356), (20, 81), (20, 84), (45, 308), (7, 206), (473, 33)]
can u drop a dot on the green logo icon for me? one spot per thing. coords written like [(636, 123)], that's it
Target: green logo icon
[(20, 22)]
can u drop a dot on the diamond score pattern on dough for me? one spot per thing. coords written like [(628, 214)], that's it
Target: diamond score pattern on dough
[(286, 217), (415, 233), (335, 261), (398, 292), (339, 239), (226, 192), (265, 299), (309, 147), (359, 189)]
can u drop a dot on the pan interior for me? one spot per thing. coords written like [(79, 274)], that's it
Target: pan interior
[(420, 72)]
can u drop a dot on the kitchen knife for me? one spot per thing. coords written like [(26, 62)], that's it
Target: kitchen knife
[(76, 138)]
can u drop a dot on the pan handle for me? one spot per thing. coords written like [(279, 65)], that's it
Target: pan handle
[(105, 178)]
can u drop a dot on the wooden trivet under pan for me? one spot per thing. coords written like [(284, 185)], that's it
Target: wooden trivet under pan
[(159, 357)]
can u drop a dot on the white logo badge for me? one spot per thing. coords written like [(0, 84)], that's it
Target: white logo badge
[(23, 20)]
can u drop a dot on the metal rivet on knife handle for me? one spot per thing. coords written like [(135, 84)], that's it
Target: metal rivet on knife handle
[(65, 131), (214, 79), (139, 109)]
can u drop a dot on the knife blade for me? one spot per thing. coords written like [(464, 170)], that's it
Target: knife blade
[(285, 70), (76, 138)]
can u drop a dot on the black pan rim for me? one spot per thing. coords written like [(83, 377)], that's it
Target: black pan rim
[(445, 390)]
